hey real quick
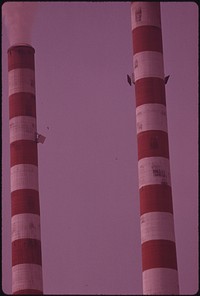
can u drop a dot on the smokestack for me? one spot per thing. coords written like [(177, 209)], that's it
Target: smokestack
[(25, 208), (159, 263), (26, 240)]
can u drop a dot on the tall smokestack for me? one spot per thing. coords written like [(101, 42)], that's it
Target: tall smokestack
[(159, 263), (25, 209)]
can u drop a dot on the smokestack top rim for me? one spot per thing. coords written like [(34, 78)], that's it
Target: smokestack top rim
[(20, 45)]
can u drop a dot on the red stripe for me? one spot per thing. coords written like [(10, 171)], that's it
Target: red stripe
[(20, 57), (152, 143), (23, 152), (156, 198), (150, 90), (25, 201), (158, 254), (26, 251), (147, 38), (22, 104), (28, 292)]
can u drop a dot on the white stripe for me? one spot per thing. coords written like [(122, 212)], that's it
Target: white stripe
[(160, 281), (148, 64), (144, 14), (26, 276), (151, 117), (153, 170), (22, 128), (24, 176), (26, 225), (21, 80), (157, 225)]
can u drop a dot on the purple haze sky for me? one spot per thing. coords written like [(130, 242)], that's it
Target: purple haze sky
[(88, 164)]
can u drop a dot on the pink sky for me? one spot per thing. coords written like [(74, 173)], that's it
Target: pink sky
[(88, 164)]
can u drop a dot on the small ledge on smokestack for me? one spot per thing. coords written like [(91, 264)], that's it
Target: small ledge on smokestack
[(40, 138)]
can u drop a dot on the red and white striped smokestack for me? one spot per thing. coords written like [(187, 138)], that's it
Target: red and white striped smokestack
[(26, 238), (159, 263)]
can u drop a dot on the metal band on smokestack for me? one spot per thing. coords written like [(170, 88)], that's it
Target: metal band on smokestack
[(26, 238), (159, 263)]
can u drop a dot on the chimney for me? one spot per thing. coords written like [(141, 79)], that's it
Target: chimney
[(26, 236), (159, 262)]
